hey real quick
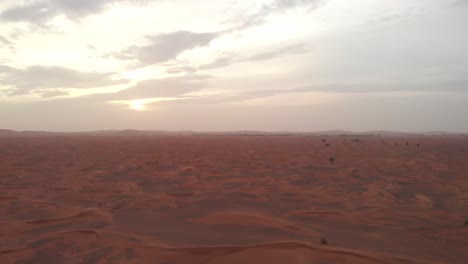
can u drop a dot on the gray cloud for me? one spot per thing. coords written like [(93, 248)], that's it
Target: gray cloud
[(225, 60), (220, 62), (389, 18), (39, 12), (277, 6), (181, 69), (167, 46), (450, 83), (455, 83), (461, 3), (52, 93), (33, 78), (5, 40), (168, 87), (164, 47), (289, 50)]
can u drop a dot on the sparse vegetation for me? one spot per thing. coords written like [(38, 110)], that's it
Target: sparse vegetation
[(323, 241)]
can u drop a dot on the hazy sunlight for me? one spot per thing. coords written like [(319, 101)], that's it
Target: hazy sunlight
[(137, 105)]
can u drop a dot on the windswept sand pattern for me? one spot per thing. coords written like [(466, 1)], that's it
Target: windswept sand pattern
[(233, 199)]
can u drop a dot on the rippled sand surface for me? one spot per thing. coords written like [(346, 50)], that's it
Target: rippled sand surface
[(233, 199)]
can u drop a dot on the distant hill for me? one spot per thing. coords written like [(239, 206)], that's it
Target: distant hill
[(7, 132), (133, 132)]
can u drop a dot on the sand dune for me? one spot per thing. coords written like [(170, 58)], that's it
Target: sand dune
[(233, 199), (246, 219)]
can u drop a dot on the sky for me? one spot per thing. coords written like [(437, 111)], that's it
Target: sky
[(225, 65)]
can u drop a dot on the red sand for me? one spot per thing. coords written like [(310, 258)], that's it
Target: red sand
[(233, 199)]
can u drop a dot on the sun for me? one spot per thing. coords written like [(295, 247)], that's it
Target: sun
[(137, 105)]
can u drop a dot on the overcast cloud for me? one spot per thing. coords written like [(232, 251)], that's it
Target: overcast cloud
[(164, 47), (41, 11), (24, 81), (232, 65)]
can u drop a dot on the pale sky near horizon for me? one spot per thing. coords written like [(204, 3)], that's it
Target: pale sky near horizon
[(207, 65)]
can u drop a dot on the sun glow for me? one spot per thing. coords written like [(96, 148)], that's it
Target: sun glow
[(137, 105), (142, 104)]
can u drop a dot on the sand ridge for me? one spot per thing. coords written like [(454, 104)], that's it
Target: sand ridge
[(230, 199)]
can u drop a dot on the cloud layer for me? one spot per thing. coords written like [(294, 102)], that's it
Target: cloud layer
[(267, 64), (167, 46), (39, 12), (34, 78), (277, 6)]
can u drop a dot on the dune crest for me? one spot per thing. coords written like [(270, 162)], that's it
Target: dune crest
[(141, 198)]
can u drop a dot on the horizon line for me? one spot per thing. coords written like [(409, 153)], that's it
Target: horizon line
[(331, 131)]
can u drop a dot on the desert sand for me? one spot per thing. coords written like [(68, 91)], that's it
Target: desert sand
[(174, 199)]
